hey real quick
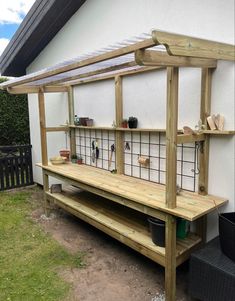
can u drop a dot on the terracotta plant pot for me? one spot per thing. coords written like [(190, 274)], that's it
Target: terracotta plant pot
[(125, 124), (79, 161)]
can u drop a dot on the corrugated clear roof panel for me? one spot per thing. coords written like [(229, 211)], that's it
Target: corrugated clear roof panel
[(96, 66)]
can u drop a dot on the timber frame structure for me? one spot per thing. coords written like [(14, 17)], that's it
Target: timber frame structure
[(108, 199)]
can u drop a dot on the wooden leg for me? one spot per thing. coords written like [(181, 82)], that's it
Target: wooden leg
[(170, 263), (46, 188), (201, 225)]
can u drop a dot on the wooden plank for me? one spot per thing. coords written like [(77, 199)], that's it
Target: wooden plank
[(71, 120), (170, 264), (57, 129), (193, 47), (134, 193), (93, 73), (171, 136), (205, 110), (160, 58), (36, 89), (183, 138), (42, 120), (216, 132), (78, 64), (133, 71), (119, 140)]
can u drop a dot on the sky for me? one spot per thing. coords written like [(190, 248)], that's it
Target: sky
[(12, 13)]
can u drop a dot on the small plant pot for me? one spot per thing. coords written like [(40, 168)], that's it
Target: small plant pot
[(132, 123), (65, 153), (79, 161), (89, 122), (227, 234), (74, 160), (124, 124), (83, 120), (157, 229)]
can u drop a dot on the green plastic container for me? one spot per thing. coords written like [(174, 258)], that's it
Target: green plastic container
[(182, 228)]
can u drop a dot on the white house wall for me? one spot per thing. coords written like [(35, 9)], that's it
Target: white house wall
[(100, 23)]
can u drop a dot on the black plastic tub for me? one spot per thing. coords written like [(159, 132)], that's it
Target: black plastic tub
[(157, 229), (227, 234)]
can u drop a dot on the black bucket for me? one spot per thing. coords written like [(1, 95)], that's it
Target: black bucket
[(157, 229), (227, 234)]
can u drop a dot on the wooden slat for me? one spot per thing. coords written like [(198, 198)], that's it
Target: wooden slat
[(132, 192), (35, 89), (194, 47), (183, 138), (119, 141), (99, 58), (160, 58), (133, 71), (42, 119), (171, 136), (93, 73)]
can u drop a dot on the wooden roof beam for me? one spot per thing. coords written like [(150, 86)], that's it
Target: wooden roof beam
[(92, 73), (160, 58), (36, 89), (133, 71), (193, 47)]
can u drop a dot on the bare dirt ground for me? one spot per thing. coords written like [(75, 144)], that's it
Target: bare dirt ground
[(112, 271)]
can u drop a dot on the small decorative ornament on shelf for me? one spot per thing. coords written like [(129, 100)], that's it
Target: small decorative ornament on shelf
[(200, 127), (216, 122)]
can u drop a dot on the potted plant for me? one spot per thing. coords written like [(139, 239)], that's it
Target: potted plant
[(79, 159), (74, 158), (132, 122), (124, 123)]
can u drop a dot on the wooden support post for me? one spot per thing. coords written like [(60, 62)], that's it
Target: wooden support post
[(170, 258), (46, 189), (171, 135), (205, 110), (204, 113), (119, 117), (71, 120), (42, 119)]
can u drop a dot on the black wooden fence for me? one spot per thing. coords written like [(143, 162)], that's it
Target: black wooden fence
[(15, 166)]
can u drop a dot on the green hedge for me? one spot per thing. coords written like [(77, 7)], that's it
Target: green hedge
[(14, 118)]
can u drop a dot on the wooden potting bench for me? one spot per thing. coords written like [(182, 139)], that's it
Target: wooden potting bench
[(115, 203)]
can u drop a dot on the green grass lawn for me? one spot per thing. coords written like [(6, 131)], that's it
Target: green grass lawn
[(29, 258)]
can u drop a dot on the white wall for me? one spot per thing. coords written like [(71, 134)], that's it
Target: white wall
[(102, 22)]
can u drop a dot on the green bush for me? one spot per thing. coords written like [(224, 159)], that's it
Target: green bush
[(14, 118)]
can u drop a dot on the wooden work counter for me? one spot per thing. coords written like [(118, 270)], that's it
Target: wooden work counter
[(143, 196)]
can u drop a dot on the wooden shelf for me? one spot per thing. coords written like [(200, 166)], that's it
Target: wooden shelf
[(106, 128), (120, 129), (216, 132), (141, 130), (114, 220), (143, 196)]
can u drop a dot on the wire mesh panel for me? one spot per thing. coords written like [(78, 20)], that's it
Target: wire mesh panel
[(96, 147), (151, 147)]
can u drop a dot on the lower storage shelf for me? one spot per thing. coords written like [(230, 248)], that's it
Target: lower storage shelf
[(126, 225)]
